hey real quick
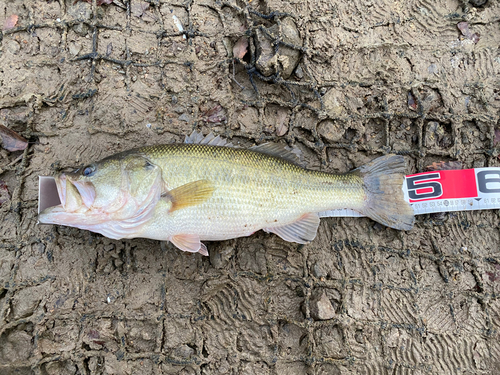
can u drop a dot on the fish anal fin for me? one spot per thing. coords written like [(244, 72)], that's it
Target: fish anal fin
[(203, 249), (292, 154), (190, 194), (190, 243), (300, 231)]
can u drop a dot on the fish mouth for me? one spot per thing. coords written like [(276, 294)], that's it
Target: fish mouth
[(87, 192), (61, 189), (74, 193), (76, 197)]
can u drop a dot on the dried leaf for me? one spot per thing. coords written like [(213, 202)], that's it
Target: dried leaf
[(109, 49), (11, 140), (4, 193), (281, 124), (178, 24), (138, 9), (240, 48), (497, 137), (494, 276), (215, 115), (464, 29), (444, 165), (99, 2), (412, 102), (10, 22)]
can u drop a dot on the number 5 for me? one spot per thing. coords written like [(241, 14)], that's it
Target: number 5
[(416, 183)]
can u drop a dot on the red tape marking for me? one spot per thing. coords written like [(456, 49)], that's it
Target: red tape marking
[(449, 184)]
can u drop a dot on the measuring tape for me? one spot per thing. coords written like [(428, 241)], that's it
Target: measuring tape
[(446, 190), (453, 190)]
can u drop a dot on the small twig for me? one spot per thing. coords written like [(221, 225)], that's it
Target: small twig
[(8, 166), (234, 79)]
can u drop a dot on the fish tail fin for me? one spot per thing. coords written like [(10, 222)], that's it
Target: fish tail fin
[(383, 180)]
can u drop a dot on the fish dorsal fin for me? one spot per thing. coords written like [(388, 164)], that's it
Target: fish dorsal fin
[(210, 139), (292, 154), (190, 194), (190, 243), (301, 231)]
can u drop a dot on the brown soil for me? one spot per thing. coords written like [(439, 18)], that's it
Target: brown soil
[(351, 80)]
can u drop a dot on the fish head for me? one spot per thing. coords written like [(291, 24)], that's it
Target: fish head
[(116, 192)]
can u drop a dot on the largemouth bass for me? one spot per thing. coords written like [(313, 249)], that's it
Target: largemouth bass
[(206, 189)]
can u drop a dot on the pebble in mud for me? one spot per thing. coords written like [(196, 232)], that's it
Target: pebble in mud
[(12, 47), (330, 130), (319, 271), (321, 308), (183, 352), (478, 3), (268, 61), (436, 135)]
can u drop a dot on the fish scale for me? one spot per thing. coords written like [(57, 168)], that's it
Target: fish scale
[(252, 191)]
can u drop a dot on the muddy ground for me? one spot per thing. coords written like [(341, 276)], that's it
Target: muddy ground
[(351, 80)]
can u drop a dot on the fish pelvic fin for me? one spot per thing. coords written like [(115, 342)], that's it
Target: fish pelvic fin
[(190, 243), (383, 180), (190, 194)]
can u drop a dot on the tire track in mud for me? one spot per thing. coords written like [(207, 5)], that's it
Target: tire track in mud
[(439, 319), (436, 314), (472, 232), (495, 352), (463, 308), (406, 354), (388, 367), (381, 13), (238, 323), (486, 64), (398, 308), (433, 18), (495, 315), (479, 65), (231, 300), (454, 353), (403, 307)]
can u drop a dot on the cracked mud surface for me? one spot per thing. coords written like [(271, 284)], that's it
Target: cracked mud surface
[(345, 82)]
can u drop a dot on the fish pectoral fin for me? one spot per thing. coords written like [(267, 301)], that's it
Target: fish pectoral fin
[(190, 243), (190, 194), (301, 231)]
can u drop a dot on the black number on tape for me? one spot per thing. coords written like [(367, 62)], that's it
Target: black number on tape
[(483, 180), (421, 182)]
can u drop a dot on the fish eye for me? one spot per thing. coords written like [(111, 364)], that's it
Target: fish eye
[(88, 171), (148, 166)]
